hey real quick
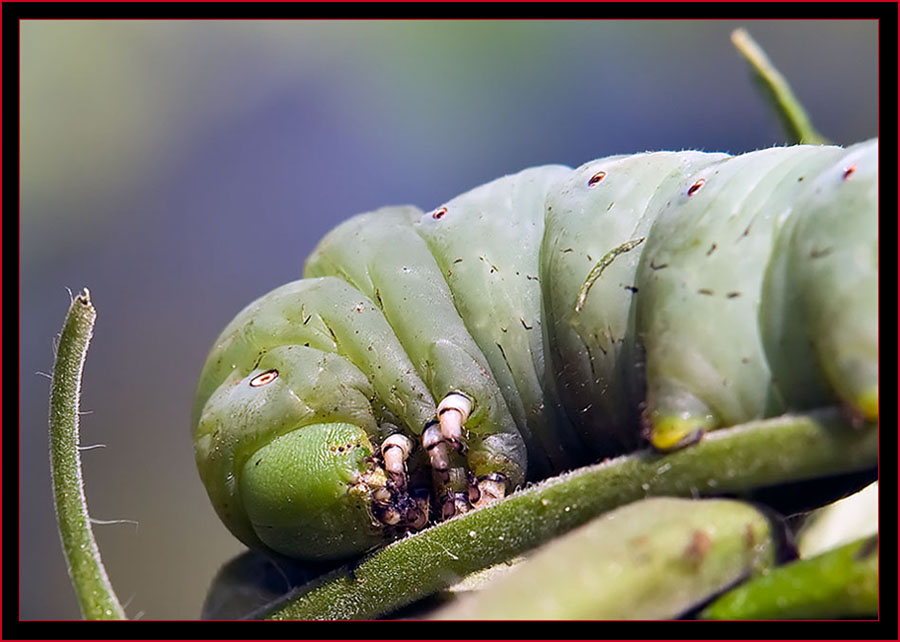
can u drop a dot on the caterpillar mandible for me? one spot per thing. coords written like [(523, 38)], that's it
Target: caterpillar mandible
[(431, 362)]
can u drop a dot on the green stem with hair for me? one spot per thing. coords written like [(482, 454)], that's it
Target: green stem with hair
[(95, 593)]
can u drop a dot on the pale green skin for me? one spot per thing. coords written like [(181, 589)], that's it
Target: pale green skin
[(400, 308)]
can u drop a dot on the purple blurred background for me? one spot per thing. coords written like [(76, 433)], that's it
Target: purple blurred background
[(181, 169)]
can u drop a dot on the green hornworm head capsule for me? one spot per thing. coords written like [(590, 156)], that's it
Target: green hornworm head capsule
[(325, 509)]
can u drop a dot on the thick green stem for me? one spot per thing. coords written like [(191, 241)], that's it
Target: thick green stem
[(776, 90), (95, 593), (783, 449)]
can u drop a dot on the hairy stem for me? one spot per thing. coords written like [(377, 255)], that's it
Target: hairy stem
[(787, 448), (776, 90), (92, 586)]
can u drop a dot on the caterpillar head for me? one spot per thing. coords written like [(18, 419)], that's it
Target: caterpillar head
[(287, 473)]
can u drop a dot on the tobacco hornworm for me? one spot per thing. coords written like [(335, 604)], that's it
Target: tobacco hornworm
[(435, 361)]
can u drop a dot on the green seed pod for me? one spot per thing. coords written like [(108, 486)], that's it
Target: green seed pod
[(432, 362), (653, 559)]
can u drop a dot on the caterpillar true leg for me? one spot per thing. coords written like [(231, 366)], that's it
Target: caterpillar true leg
[(451, 480), (452, 413), (395, 450), (437, 449)]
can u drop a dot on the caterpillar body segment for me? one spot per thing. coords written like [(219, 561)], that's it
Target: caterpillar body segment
[(604, 210), (819, 313), (417, 301), (487, 245), (702, 277)]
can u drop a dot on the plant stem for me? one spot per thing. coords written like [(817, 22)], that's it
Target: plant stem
[(760, 453), (776, 90), (92, 586)]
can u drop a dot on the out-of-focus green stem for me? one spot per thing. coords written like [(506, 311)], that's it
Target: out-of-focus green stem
[(652, 559), (842, 582), (95, 594), (787, 448), (776, 90)]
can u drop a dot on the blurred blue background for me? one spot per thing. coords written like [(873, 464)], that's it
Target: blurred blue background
[(181, 169)]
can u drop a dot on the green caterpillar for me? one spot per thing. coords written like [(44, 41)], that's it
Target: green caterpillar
[(433, 362)]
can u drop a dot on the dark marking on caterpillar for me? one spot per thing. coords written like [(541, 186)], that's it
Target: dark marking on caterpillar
[(503, 354), (330, 331), (818, 254), (493, 269)]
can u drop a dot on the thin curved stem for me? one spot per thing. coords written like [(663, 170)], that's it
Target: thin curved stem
[(776, 90), (95, 593)]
